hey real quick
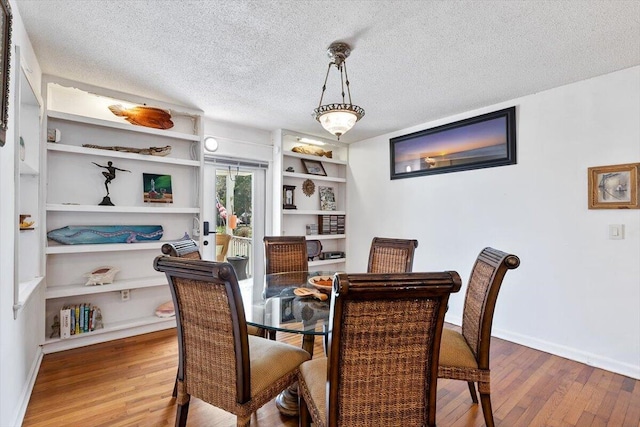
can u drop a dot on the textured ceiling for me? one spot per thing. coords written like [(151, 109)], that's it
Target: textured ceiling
[(262, 63)]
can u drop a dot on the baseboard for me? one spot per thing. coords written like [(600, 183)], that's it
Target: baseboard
[(23, 402), (587, 358)]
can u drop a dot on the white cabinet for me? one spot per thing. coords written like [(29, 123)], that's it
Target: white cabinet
[(294, 170), (76, 187)]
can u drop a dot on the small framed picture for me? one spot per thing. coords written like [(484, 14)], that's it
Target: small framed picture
[(313, 167), (288, 192), (327, 199), (157, 188), (614, 187)]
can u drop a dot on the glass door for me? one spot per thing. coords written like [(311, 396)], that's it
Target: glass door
[(234, 209)]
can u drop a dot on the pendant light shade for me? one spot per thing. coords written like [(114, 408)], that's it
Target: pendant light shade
[(338, 118)]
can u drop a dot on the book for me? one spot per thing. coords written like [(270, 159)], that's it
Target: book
[(65, 323)]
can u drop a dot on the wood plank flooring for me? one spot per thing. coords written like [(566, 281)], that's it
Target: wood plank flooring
[(129, 382)]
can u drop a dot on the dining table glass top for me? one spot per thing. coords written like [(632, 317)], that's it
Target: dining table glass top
[(270, 302)]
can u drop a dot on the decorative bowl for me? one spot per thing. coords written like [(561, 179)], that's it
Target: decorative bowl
[(322, 283)]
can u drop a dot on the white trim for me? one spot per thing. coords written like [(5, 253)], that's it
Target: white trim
[(25, 396), (570, 353)]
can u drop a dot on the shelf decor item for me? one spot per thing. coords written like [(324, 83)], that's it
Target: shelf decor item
[(327, 199), (484, 141), (24, 224), (308, 187), (109, 175), (288, 192), (157, 188), (313, 150), (6, 19), (99, 234), (151, 151), (101, 275), (53, 135), (144, 116), (313, 167), (614, 187)]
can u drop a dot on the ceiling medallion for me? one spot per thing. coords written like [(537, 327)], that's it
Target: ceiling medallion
[(338, 118), (308, 187)]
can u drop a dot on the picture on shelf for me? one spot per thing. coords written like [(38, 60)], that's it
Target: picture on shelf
[(157, 188), (313, 167), (327, 199)]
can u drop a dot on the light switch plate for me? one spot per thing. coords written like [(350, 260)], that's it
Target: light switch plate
[(616, 231)]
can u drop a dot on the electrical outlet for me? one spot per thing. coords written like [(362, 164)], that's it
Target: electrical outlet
[(125, 294)]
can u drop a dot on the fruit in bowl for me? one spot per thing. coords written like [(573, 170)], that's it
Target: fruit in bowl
[(322, 283)]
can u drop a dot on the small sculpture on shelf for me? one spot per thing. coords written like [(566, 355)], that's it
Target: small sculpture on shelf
[(287, 197), (109, 175), (55, 327), (24, 224), (101, 275)]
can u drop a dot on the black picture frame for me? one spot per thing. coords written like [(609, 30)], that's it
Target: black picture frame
[(288, 197), (483, 141), (313, 167), (6, 20)]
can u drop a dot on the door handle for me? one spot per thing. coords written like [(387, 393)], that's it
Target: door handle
[(205, 228)]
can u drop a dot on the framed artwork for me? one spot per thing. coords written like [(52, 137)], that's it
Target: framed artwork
[(157, 188), (313, 167), (327, 199), (5, 60), (614, 187), (288, 195), (479, 142)]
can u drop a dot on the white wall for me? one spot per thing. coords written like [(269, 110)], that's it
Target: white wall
[(19, 351), (576, 293)]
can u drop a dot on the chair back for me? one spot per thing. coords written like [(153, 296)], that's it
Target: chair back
[(480, 300), (285, 254), (212, 331), (222, 240), (182, 248), (384, 347), (391, 255)]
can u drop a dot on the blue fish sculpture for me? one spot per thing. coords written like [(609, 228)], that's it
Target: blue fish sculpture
[(94, 234)]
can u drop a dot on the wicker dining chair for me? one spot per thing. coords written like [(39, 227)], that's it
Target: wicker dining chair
[(391, 255), (219, 363), (222, 240), (188, 249), (465, 355), (285, 254), (382, 364)]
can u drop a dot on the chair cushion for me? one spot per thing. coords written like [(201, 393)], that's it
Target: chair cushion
[(313, 376), (271, 360), (454, 350)]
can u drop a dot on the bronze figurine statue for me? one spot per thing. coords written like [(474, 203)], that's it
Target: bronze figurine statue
[(110, 175)]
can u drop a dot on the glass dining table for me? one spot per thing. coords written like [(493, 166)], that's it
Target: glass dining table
[(270, 303)]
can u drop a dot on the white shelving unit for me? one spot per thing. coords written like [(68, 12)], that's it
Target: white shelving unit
[(75, 187), (294, 221), (28, 256)]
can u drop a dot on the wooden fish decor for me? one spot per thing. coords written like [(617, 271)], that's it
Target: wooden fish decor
[(312, 149), (144, 116)]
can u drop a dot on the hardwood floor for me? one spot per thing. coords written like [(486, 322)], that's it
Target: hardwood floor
[(129, 382)]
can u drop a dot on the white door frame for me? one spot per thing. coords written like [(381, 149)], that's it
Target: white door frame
[(259, 217)]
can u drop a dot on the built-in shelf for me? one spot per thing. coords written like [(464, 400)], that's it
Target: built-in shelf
[(122, 126), (26, 289), (107, 247), (74, 149), (117, 326), (316, 158), (52, 207), (326, 262), (325, 236), (116, 286), (314, 177), (311, 212)]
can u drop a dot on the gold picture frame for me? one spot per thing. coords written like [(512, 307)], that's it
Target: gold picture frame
[(5, 61), (614, 187)]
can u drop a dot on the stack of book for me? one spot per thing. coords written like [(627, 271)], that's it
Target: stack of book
[(331, 224), (79, 319)]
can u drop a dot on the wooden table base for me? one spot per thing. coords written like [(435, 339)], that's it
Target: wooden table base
[(287, 400)]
